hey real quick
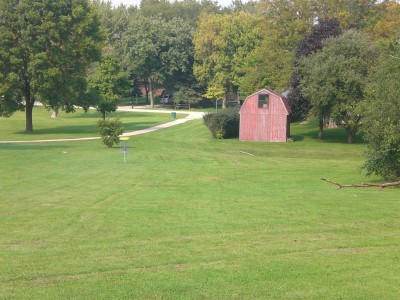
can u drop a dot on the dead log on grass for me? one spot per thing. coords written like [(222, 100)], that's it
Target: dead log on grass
[(363, 185)]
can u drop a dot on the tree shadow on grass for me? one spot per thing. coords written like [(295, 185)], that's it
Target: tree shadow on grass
[(118, 114), (310, 131), (64, 130), (335, 135), (72, 131), (297, 137), (33, 146)]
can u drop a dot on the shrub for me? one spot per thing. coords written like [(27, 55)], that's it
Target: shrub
[(381, 120), (223, 124), (109, 131)]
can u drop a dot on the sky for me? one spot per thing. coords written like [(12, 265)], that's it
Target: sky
[(137, 2)]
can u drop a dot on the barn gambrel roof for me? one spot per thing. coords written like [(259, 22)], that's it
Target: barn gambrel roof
[(284, 100)]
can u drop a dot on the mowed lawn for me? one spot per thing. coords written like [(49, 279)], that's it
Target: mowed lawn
[(73, 125), (189, 217)]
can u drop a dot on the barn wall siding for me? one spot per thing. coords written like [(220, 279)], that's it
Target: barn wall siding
[(264, 124)]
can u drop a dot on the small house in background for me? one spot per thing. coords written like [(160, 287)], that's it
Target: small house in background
[(264, 117)]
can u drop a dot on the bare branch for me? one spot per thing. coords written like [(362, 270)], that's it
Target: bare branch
[(248, 153), (363, 185)]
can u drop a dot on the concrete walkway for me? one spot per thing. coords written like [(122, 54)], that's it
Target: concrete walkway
[(191, 116)]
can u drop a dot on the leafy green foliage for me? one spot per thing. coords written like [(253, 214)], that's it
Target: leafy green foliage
[(222, 42), (283, 24), (179, 97), (186, 95), (324, 29), (223, 124), (188, 10), (110, 130), (114, 20), (388, 25), (334, 79), (45, 48), (382, 120), (106, 83), (154, 49), (355, 14)]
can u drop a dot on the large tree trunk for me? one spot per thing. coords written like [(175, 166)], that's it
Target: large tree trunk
[(352, 130), (350, 138), (146, 88), (54, 114), (321, 129), (224, 101), (151, 93), (28, 119), (28, 108)]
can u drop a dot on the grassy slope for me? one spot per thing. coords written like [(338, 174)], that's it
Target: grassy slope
[(192, 217)]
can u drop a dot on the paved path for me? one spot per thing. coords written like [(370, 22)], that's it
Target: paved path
[(191, 116)]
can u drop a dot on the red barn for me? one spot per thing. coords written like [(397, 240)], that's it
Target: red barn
[(264, 117)]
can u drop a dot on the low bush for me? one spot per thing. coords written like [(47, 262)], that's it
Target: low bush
[(223, 124), (110, 130)]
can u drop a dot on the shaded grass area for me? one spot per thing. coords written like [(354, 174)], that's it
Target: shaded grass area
[(133, 101), (73, 125), (189, 217)]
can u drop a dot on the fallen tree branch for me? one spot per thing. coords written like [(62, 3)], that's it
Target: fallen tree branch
[(363, 185), (248, 153)]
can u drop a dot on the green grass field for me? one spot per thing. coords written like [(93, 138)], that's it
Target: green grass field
[(189, 217), (73, 125)]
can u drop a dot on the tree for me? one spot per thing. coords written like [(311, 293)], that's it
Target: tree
[(221, 44), (110, 130), (248, 6), (284, 23), (188, 10), (352, 14), (334, 79), (186, 94), (154, 49), (114, 20), (45, 47), (320, 31), (317, 81), (388, 25), (106, 83), (382, 120)]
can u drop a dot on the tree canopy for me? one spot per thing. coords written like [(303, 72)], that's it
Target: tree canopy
[(106, 83), (45, 47), (382, 118), (222, 43), (334, 79), (322, 30), (154, 49)]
